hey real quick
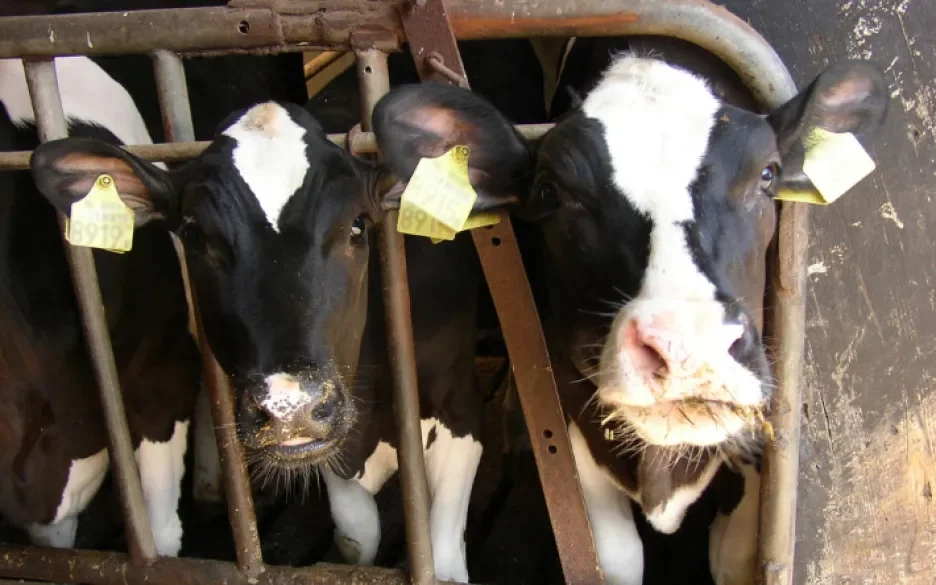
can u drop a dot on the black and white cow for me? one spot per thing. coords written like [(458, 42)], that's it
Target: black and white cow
[(52, 453), (278, 229), (654, 200)]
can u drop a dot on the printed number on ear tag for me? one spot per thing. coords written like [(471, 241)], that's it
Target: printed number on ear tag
[(438, 197), (101, 219), (834, 163)]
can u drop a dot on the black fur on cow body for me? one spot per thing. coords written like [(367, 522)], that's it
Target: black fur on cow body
[(53, 457), (655, 226), (278, 228)]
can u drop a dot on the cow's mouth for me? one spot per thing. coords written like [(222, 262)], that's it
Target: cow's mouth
[(689, 421), (302, 450)]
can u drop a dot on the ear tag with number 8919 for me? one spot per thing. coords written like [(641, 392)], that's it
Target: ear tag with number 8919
[(101, 219), (438, 197)]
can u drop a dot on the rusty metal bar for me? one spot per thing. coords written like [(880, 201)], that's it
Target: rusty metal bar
[(433, 44), (361, 143), (375, 83), (198, 31), (42, 84), (108, 568), (236, 480)]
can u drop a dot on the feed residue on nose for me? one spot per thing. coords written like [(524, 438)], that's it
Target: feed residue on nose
[(284, 396)]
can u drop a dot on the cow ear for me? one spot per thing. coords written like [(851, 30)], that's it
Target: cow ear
[(850, 96), (65, 170), (426, 120)]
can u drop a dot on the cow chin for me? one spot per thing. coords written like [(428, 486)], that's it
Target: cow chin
[(696, 416)]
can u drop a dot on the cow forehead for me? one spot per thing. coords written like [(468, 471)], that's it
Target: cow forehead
[(657, 120), (270, 156)]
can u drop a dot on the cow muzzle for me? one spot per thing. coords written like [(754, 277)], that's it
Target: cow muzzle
[(298, 418), (669, 370)]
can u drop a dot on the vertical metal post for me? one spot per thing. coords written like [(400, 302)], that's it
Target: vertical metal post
[(375, 82), (177, 120), (236, 481), (172, 91), (780, 470), (42, 83), (176, 111)]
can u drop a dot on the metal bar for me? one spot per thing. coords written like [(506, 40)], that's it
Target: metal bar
[(361, 143), (199, 31), (42, 84), (108, 568), (176, 112), (236, 480), (313, 66), (431, 40), (177, 120), (375, 83), (330, 24), (172, 91), (786, 327)]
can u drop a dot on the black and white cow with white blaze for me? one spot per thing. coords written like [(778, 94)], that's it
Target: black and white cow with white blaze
[(278, 229), (655, 203), (53, 440)]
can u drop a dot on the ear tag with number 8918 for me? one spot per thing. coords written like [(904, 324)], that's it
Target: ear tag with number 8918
[(101, 219)]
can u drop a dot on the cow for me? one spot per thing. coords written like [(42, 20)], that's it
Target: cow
[(53, 456), (655, 204), (278, 227)]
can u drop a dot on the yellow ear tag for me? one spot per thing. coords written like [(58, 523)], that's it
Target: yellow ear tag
[(101, 219), (475, 220), (834, 163), (439, 197)]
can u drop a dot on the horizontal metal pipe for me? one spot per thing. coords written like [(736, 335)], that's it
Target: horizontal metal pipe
[(108, 568), (361, 143)]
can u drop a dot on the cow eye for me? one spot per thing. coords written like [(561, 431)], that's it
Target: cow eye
[(358, 227), (768, 177)]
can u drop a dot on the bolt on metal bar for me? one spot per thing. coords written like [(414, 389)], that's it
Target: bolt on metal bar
[(177, 120), (42, 84), (375, 82), (359, 143)]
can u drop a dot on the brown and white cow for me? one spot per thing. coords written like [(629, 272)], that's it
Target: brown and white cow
[(655, 203)]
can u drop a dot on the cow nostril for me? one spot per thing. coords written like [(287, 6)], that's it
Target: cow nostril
[(649, 360), (643, 355), (324, 410), (743, 344)]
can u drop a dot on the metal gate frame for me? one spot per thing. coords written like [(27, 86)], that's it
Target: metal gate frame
[(371, 29)]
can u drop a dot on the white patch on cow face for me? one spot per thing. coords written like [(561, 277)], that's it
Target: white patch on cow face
[(284, 396), (270, 156), (657, 120), (88, 94)]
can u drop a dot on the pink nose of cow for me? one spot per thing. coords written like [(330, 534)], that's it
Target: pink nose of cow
[(674, 345)]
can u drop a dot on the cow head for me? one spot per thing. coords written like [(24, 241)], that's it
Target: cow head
[(276, 222), (656, 205)]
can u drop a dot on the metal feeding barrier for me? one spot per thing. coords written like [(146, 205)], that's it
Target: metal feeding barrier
[(371, 29)]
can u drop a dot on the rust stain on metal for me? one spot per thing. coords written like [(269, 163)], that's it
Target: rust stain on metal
[(504, 25)]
